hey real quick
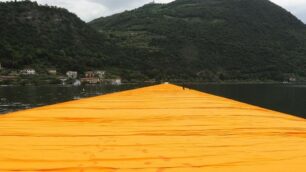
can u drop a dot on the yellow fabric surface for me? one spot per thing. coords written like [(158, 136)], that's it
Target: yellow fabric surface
[(160, 128)]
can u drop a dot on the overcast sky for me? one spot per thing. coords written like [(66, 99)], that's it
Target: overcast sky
[(91, 9)]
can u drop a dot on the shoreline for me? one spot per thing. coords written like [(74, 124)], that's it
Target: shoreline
[(179, 83)]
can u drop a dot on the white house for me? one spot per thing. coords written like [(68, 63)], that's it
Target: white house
[(52, 71), (95, 74), (292, 79), (28, 72), (77, 83), (100, 74), (72, 74), (116, 81)]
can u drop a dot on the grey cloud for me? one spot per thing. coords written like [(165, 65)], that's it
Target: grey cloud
[(91, 9), (115, 6), (296, 7)]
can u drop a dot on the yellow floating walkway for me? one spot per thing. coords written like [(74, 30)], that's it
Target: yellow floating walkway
[(161, 128)]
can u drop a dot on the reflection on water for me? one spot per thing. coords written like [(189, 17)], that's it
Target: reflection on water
[(288, 98), (281, 97), (14, 98)]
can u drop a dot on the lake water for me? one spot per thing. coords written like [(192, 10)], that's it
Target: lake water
[(288, 98), (14, 98)]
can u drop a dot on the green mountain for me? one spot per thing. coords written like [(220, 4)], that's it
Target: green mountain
[(207, 40), (40, 36), (210, 40)]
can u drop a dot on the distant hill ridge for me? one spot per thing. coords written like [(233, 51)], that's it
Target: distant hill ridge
[(198, 40), (212, 39), (33, 35)]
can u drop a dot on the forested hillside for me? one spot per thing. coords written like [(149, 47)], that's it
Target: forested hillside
[(192, 40), (40, 36), (210, 40)]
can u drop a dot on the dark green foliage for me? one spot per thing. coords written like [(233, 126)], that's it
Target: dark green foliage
[(209, 40), (40, 36), (198, 40)]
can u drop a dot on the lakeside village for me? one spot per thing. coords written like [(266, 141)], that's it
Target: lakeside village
[(30, 76)]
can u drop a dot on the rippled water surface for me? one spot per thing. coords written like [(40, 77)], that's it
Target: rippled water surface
[(14, 98), (288, 98)]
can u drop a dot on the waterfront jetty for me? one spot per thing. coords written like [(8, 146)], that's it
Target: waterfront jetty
[(162, 128)]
